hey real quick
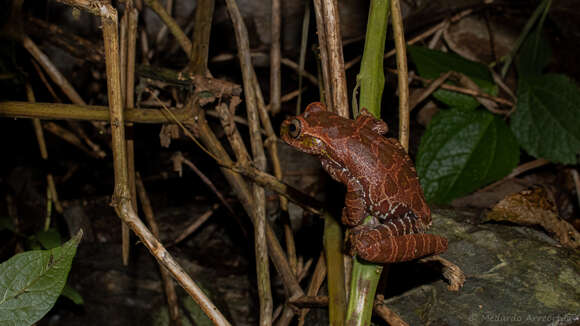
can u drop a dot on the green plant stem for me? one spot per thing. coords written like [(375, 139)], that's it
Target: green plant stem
[(335, 261), (365, 276), (371, 77), (543, 7), (363, 286)]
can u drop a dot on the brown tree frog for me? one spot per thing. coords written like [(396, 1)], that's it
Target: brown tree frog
[(380, 179)]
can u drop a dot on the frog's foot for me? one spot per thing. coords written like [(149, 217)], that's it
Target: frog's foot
[(378, 244)]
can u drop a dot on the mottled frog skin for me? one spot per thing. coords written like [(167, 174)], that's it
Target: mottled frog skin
[(380, 179)]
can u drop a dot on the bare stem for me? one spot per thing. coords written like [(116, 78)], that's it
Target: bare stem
[(399, 35), (168, 285), (177, 32), (335, 58), (44, 152), (59, 111), (275, 78), (259, 159), (121, 197), (200, 38)]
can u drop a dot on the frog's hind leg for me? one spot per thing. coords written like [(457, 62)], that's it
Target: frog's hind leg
[(381, 243)]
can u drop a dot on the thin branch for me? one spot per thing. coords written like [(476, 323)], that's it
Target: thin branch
[(302, 59), (200, 39), (262, 178), (236, 142), (59, 79), (310, 302), (168, 286), (96, 151), (321, 32), (240, 188), (69, 137), (463, 90), (195, 225), (275, 75), (52, 71), (59, 111), (517, 171), (285, 61), (316, 281), (399, 35), (127, 63), (45, 82), (391, 317), (53, 34), (335, 61), (178, 159), (272, 144), (433, 86), (177, 32), (44, 153), (542, 8), (121, 197), (259, 208)]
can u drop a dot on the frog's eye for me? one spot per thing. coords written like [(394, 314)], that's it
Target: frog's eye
[(294, 128)]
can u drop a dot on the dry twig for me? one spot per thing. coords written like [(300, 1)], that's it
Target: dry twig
[(399, 35), (177, 32), (121, 198), (275, 76), (44, 153), (259, 208), (195, 225), (330, 41), (178, 159), (433, 86), (169, 288), (318, 277), (463, 90), (391, 317)]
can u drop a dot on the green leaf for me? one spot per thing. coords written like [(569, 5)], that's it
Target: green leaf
[(431, 64), (72, 294), (547, 118), (462, 151), (30, 282), (534, 55), (49, 239)]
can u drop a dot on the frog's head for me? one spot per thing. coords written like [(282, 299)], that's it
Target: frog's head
[(306, 131)]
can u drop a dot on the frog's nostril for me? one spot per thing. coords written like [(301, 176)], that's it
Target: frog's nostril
[(294, 128)]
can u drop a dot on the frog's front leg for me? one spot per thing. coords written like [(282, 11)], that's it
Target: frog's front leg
[(354, 210), (378, 244)]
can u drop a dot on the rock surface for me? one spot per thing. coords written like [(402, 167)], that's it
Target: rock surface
[(515, 275)]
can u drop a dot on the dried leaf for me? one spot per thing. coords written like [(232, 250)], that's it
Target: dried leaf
[(167, 133), (535, 206)]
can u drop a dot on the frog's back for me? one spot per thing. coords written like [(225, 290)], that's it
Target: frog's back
[(394, 180)]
